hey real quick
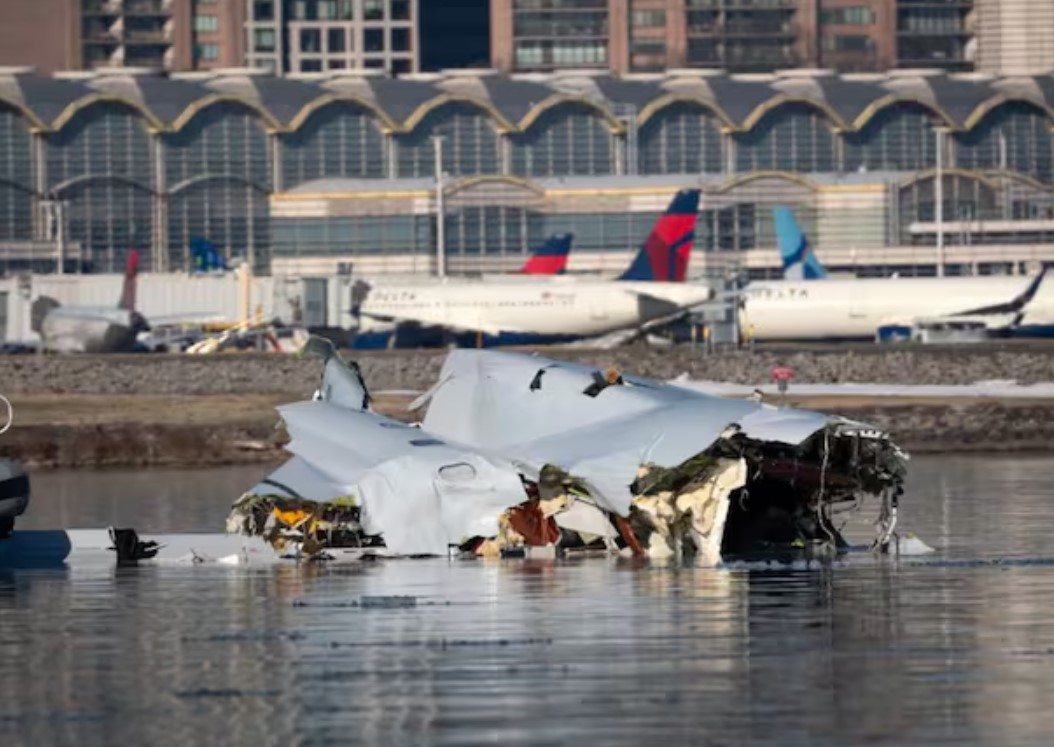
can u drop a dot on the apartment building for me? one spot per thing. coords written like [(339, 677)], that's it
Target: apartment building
[(735, 35), (53, 35), (311, 36)]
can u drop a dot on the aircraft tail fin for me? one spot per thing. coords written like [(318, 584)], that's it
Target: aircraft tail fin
[(342, 382), (550, 258), (205, 256), (799, 260), (41, 307), (665, 253), (131, 273)]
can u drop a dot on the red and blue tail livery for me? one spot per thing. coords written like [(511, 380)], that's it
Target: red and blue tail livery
[(550, 258), (131, 271), (664, 255)]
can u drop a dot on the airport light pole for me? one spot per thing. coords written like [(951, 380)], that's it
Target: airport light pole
[(55, 215), (437, 141), (938, 199)]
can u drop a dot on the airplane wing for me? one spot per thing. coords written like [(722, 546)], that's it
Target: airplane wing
[(997, 317), (1013, 308)]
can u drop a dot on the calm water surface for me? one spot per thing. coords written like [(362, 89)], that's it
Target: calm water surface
[(957, 648)]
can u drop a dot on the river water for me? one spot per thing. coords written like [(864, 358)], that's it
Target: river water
[(956, 648)]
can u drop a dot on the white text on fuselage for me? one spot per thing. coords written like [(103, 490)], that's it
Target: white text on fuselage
[(411, 299), (769, 293)]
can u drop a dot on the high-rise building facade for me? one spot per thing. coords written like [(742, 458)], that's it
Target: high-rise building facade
[(135, 33), (1015, 37), (935, 34), (856, 36), (90, 34), (735, 35), (310, 36), (217, 34)]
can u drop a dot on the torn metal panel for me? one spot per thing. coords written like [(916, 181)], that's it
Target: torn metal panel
[(540, 412), (689, 519), (416, 491), (520, 452), (342, 383)]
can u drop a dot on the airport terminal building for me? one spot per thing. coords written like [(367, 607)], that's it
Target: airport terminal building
[(336, 172)]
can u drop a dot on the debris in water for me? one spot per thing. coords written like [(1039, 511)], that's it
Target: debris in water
[(504, 464)]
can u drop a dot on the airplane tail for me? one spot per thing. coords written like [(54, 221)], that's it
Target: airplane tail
[(799, 260), (206, 257), (41, 307), (131, 272), (550, 258), (664, 254), (342, 381)]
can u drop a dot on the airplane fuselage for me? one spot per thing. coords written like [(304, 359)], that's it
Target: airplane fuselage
[(90, 330), (544, 308), (856, 308)]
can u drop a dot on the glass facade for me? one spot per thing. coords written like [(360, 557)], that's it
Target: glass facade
[(1013, 136), (560, 33), (339, 140), (16, 176), (682, 138), (363, 235), (898, 138), (792, 137), (102, 164), (218, 171), (934, 34), (964, 199), (569, 139), (487, 229), (470, 143)]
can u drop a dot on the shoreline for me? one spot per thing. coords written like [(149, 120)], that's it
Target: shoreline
[(92, 431)]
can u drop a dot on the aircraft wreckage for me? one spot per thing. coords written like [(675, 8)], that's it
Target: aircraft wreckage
[(522, 455), (519, 454)]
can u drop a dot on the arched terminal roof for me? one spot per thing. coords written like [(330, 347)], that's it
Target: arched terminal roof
[(170, 102)]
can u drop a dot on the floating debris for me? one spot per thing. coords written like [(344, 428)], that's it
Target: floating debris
[(520, 455)]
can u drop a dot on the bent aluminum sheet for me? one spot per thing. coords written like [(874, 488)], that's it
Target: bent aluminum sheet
[(493, 417), (533, 411), (419, 493)]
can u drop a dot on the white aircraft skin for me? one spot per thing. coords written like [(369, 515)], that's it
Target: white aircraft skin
[(96, 329), (547, 310), (856, 308), (544, 307), (69, 329)]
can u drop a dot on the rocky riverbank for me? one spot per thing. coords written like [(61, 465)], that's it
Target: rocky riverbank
[(187, 411), (418, 369)]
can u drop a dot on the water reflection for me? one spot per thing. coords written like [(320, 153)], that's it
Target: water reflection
[(547, 652)]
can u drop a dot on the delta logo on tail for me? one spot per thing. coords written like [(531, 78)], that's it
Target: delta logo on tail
[(550, 258), (799, 261), (664, 255)]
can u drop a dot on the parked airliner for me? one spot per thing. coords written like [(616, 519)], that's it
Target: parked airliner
[(822, 308), (551, 310), (81, 329)]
